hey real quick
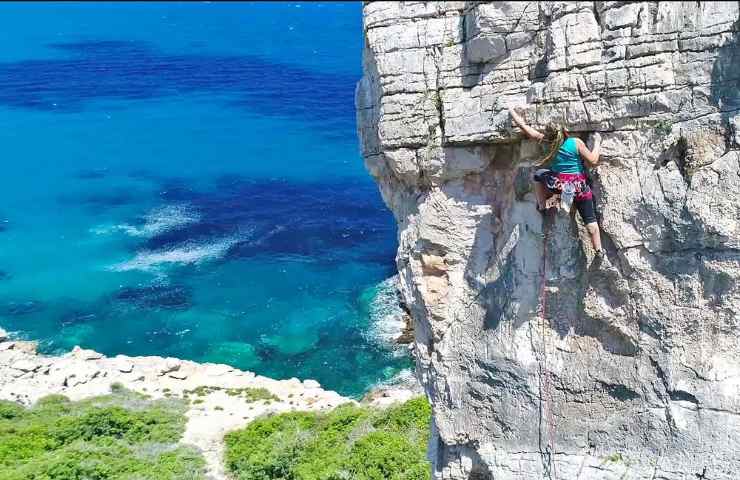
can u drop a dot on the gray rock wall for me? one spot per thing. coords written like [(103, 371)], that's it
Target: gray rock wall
[(540, 363)]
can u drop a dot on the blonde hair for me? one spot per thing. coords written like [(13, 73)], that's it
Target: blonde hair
[(554, 136)]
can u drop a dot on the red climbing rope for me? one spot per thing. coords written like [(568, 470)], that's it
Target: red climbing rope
[(544, 371)]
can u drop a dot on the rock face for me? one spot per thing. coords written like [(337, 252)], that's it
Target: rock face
[(540, 363)]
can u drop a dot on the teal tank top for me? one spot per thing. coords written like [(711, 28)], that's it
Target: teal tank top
[(567, 159)]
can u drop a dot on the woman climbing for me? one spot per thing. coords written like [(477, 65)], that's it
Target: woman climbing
[(564, 162)]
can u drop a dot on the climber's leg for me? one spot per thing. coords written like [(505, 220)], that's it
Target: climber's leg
[(540, 190), (541, 193), (588, 214), (595, 234)]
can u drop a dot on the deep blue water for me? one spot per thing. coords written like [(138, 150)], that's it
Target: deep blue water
[(184, 179)]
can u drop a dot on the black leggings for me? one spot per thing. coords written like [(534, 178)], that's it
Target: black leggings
[(586, 209)]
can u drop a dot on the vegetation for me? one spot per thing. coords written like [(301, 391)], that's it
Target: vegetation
[(663, 127), (126, 436), (349, 442), (249, 394), (614, 458), (117, 436)]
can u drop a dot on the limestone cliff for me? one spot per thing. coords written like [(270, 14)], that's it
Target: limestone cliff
[(539, 363)]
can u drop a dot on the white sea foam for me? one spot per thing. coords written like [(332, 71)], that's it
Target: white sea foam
[(158, 220), (386, 314), (186, 254)]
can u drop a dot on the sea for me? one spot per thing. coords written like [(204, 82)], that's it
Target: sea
[(184, 179)]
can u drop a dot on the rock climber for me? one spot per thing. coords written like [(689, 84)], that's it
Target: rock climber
[(564, 162)]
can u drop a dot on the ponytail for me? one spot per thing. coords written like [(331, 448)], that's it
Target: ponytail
[(554, 137)]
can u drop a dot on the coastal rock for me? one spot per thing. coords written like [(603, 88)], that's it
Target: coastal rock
[(84, 354), (25, 365), (311, 384), (219, 369), (123, 365), (3, 335), (21, 346), (407, 334), (178, 375), (170, 365), (539, 362)]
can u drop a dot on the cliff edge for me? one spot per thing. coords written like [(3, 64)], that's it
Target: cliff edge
[(538, 362)]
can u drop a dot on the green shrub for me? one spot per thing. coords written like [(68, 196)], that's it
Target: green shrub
[(385, 456), (150, 425), (349, 442), (266, 448), (118, 436), (249, 394), (9, 410), (53, 402), (325, 453), (108, 460), (414, 414), (663, 127)]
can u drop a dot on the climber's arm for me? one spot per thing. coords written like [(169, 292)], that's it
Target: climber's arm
[(528, 131), (591, 157)]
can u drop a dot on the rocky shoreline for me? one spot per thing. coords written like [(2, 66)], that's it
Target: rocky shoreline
[(222, 398)]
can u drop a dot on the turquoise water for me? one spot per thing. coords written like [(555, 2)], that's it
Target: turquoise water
[(184, 179)]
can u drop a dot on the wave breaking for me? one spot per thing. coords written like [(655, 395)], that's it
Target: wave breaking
[(187, 254), (387, 317), (159, 220)]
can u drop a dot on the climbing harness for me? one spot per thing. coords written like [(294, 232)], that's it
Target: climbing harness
[(545, 374), (566, 187)]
